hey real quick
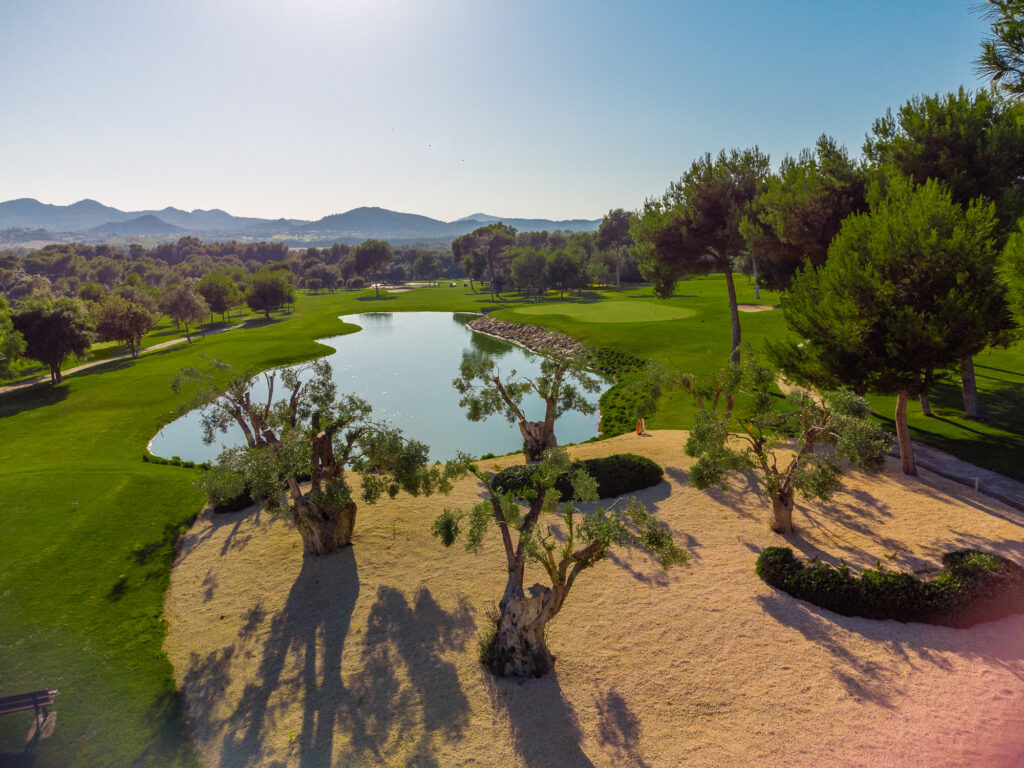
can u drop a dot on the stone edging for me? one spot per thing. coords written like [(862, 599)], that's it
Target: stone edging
[(532, 337)]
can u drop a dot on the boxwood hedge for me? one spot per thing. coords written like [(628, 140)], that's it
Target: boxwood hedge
[(971, 588), (617, 474)]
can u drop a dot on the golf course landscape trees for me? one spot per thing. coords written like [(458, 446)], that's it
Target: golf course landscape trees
[(1002, 54), (837, 418), (12, 345), (799, 210), (184, 305), (973, 143), (119, 319), (268, 291), (561, 385), (52, 330), (518, 646), (695, 226), (371, 259), (898, 300), (313, 432)]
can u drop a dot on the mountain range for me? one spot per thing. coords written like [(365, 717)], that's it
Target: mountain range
[(90, 220)]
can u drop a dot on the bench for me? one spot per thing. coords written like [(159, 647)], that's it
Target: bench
[(37, 701)]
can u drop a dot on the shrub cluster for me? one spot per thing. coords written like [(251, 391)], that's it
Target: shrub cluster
[(615, 475), (355, 282), (175, 461), (971, 588)]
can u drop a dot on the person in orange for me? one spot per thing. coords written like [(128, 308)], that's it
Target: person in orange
[(641, 427)]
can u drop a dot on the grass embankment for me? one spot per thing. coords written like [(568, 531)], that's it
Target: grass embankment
[(88, 529)]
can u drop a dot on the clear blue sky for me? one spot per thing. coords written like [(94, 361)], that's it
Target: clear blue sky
[(559, 109)]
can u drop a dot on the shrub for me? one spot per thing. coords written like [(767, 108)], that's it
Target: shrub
[(225, 488), (615, 475), (355, 282), (971, 588)]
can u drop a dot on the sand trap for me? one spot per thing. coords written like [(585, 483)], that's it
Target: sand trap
[(755, 307), (368, 657)]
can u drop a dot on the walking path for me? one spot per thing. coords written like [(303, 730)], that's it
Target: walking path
[(162, 345)]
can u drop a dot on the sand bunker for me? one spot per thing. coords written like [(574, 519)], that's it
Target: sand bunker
[(755, 307), (368, 657)]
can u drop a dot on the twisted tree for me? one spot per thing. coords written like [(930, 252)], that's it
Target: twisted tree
[(312, 432), (517, 646), (561, 385)]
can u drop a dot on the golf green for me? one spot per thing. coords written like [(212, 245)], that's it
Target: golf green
[(611, 311)]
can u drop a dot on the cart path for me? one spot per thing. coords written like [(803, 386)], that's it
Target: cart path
[(67, 371)]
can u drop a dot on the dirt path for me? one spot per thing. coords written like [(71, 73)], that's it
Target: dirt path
[(368, 657), (65, 372)]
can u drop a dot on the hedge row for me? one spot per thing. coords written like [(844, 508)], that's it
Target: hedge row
[(617, 474), (973, 587), (175, 461)]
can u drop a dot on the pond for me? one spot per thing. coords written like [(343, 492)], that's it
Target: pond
[(403, 365)]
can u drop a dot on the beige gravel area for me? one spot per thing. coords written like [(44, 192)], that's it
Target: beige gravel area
[(368, 657), (755, 307)]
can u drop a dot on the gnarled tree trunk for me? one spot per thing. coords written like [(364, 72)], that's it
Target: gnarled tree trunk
[(538, 436), (520, 649), (782, 511), (324, 528), (903, 435)]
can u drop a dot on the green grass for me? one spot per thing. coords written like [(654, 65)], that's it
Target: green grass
[(611, 311), (88, 529)]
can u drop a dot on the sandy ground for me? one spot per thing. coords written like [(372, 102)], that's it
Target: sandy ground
[(368, 657), (755, 307)]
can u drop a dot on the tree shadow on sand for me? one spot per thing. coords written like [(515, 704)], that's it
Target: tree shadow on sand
[(543, 724), (619, 728), (389, 711), (313, 624), (918, 645)]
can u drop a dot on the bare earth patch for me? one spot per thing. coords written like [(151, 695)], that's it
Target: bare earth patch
[(755, 307), (369, 657)]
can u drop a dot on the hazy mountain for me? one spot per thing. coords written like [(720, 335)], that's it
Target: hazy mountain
[(142, 225), (92, 220)]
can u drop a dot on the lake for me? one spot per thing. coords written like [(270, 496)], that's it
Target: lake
[(403, 364)]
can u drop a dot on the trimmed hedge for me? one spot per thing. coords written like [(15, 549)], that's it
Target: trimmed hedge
[(972, 587), (619, 402), (617, 474)]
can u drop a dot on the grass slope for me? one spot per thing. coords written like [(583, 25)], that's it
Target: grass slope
[(88, 529)]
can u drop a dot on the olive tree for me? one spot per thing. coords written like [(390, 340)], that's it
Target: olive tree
[(562, 384), (583, 538), (311, 432), (781, 441)]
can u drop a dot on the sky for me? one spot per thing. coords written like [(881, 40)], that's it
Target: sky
[(527, 108)]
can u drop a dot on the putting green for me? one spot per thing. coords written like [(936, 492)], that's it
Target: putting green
[(629, 311)]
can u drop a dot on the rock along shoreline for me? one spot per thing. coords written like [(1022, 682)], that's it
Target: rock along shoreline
[(532, 337)]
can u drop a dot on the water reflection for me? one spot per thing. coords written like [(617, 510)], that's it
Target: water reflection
[(403, 363)]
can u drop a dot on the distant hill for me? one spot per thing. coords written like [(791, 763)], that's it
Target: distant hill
[(142, 225), (92, 221)]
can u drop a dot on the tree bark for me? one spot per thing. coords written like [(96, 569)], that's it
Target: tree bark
[(782, 509), (903, 435), (757, 288), (734, 313), (926, 406), (538, 436), (324, 529), (520, 648), (972, 408), (55, 375)]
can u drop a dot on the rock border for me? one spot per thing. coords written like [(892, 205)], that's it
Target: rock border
[(531, 337)]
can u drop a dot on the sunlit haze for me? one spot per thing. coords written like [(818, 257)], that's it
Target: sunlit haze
[(533, 109)]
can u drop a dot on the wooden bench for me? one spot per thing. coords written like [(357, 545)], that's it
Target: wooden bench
[(37, 701)]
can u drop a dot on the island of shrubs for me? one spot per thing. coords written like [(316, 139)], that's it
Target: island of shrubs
[(972, 587)]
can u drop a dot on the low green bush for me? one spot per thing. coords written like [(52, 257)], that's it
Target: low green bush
[(971, 588), (617, 474), (355, 282), (225, 488)]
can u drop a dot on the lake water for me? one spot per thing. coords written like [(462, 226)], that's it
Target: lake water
[(403, 364)]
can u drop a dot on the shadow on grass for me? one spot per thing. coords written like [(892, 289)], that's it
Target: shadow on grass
[(376, 298), (37, 396), (152, 559), (543, 724)]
